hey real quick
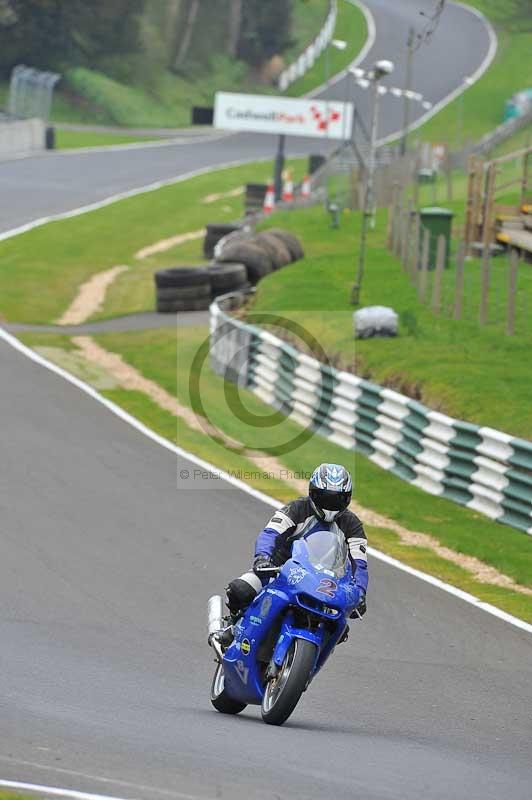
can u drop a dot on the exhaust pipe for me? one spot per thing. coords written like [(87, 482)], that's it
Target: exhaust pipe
[(215, 612)]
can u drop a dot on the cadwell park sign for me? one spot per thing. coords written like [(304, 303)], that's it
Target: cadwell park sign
[(320, 119)]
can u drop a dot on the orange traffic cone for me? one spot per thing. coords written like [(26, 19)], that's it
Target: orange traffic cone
[(269, 199), (305, 187), (288, 189)]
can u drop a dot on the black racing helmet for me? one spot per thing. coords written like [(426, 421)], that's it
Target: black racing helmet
[(330, 491)]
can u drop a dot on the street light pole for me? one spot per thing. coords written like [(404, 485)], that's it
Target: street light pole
[(380, 69), (409, 63)]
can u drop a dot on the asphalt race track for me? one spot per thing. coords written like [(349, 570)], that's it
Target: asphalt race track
[(54, 183), (104, 668), (106, 566)]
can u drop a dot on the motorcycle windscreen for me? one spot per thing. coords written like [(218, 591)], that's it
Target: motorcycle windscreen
[(326, 550)]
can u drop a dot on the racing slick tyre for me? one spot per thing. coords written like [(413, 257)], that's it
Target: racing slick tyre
[(282, 693), (227, 278), (275, 247), (219, 698), (290, 241)]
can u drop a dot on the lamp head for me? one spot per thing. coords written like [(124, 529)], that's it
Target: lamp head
[(383, 67)]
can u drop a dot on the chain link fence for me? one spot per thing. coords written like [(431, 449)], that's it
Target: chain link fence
[(31, 93)]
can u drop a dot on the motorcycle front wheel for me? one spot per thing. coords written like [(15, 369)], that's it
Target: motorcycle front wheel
[(219, 697), (282, 693)]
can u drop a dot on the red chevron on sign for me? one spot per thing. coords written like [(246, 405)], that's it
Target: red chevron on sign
[(322, 121)]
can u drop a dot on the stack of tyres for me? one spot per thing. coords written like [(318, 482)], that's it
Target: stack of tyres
[(182, 289), (257, 261), (291, 242), (226, 278), (275, 248), (214, 232)]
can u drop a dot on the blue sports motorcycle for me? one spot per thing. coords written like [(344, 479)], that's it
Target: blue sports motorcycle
[(289, 631)]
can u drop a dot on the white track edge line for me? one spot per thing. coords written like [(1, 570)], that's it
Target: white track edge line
[(55, 791), (238, 484), (150, 145), (485, 63), (115, 198)]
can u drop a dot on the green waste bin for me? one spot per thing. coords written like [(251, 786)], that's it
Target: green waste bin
[(438, 221)]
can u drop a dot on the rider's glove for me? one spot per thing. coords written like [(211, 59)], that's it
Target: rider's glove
[(262, 562), (361, 608)]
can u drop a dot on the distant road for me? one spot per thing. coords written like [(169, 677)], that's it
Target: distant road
[(53, 183)]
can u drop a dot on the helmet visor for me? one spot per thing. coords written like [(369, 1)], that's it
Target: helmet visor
[(330, 501)]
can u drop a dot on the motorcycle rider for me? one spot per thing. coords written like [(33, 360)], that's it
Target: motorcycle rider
[(330, 491)]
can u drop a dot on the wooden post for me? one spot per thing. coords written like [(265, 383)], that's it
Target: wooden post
[(395, 228), (417, 167), (423, 272), (399, 223), (459, 285), (406, 236), (449, 175), (391, 213), (486, 244), (468, 228), (512, 290), (414, 252), (524, 182), (440, 266), (485, 284)]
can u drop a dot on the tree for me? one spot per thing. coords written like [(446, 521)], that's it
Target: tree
[(50, 33), (266, 30), (235, 25), (189, 17)]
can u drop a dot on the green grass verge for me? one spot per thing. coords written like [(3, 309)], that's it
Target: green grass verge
[(468, 371), (481, 108), (10, 796), (41, 271), (351, 27), (168, 360), (68, 140)]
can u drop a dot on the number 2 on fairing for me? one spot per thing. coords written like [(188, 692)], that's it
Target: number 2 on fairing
[(327, 587)]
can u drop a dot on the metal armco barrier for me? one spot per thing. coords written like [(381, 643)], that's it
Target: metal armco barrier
[(478, 467), (22, 136)]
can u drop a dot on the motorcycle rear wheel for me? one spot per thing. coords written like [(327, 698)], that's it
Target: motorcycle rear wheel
[(219, 697), (282, 693)]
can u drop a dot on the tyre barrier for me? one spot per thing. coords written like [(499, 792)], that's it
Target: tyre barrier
[(182, 289), (214, 232), (291, 242), (258, 262), (228, 277), (245, 258), (193, 288), (275, 248), (254, 197), (232, 238), (478, 467)]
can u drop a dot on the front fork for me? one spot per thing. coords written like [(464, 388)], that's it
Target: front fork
[(287, 635)]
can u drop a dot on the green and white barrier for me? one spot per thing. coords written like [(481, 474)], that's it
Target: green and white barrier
[(478, 467), (308, 57)]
